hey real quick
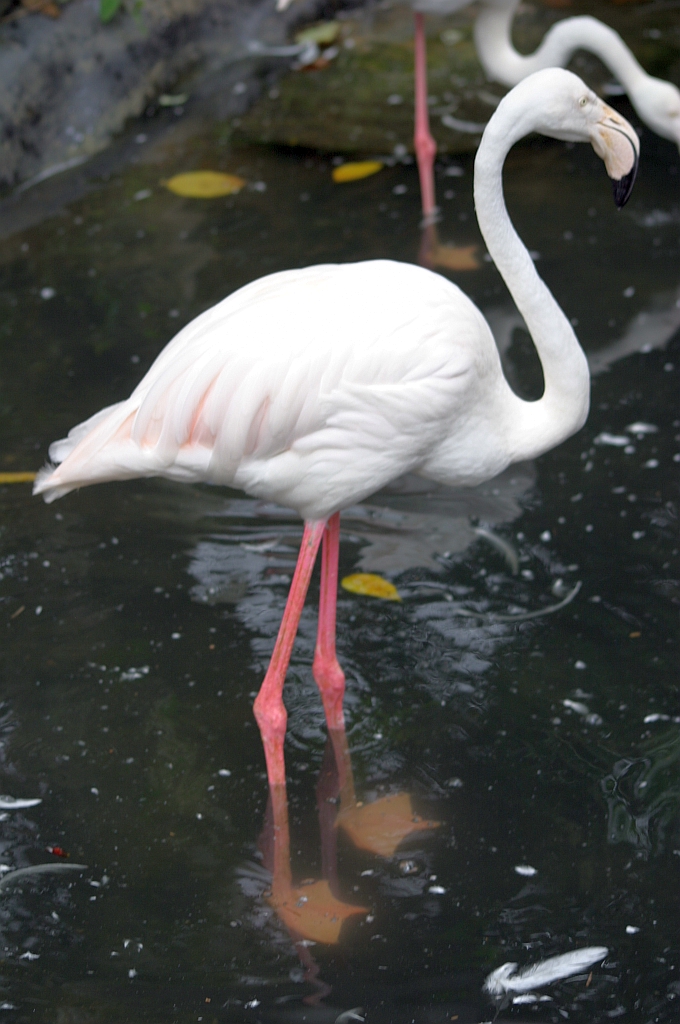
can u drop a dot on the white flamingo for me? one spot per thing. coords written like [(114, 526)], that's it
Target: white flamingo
[(656, 101), (314, 388)]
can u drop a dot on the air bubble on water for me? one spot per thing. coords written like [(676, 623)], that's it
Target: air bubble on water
[(641, 428), (573, 705)]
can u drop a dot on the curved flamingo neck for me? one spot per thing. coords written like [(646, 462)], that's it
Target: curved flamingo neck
[(535, 426), (502, 62)]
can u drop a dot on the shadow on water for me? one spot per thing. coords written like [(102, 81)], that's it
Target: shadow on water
[(138, 619)]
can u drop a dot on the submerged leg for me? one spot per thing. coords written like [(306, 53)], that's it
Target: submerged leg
[(269, 708), (424, 144), (310, 911), (327, 672)]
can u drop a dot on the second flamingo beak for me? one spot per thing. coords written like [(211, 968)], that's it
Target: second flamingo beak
[(616, 142)]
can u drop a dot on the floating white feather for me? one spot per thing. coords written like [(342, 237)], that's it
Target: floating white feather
[(506, 979)]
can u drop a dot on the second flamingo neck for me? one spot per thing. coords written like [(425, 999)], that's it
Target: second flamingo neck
[(502, 62)]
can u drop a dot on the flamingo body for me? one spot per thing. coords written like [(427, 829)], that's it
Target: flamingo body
[(293, 393)]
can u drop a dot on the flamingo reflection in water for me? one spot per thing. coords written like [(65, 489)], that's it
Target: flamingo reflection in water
[(313, 911)]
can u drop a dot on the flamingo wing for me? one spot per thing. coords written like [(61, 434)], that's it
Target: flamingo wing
[(332, 378)]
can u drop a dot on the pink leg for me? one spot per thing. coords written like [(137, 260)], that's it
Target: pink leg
[(425, 146), (329, 676), (269, 708)]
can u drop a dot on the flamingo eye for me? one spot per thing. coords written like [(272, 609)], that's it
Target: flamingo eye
[(583, 101)]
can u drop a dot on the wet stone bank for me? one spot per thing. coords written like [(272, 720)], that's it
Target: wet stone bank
[(68, 85)]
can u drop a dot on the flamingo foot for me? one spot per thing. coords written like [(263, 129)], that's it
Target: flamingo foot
[(313, 912), (382, 826)]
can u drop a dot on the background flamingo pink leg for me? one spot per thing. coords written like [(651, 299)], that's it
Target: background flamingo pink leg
[(269, 708), (425, 146), (327, 672)]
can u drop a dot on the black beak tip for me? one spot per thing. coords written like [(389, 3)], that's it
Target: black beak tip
[(624, 186)]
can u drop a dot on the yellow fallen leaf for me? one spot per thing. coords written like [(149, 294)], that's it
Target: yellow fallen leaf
[(168, 99), (355, 171), (323, 35), (204, 184), (370, 585), (17, 478), (42, 7)]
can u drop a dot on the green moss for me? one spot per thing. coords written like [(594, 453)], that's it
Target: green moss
[(351, 106)]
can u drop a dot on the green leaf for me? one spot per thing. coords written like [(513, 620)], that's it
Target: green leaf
[(108, 8)]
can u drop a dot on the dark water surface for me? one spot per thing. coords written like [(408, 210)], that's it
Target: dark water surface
[(138, 619)]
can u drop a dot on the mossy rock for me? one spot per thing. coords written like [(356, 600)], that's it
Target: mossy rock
[(363, 101), (348, 106)]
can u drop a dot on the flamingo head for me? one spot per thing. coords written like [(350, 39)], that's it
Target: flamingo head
[(569, 110)]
